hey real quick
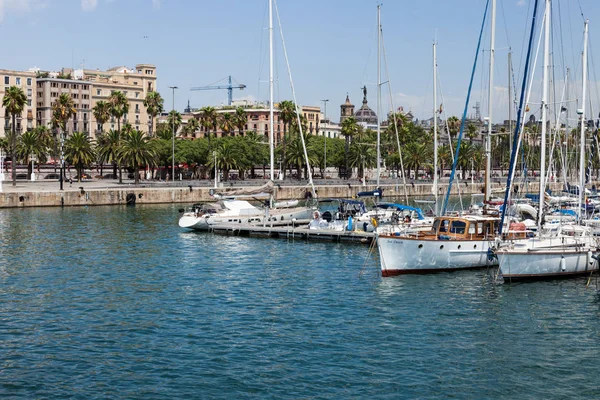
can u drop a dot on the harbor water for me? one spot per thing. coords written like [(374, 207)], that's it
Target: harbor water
[(119, 302)]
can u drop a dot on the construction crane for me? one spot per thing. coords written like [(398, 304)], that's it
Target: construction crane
[(229, 88)]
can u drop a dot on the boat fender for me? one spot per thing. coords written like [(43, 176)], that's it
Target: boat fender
[(349, 223), (491, 254), (365, 225), (563, 264)]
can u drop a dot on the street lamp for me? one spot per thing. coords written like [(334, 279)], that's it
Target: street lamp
[(216, 174), (325, 137), (173, 137)]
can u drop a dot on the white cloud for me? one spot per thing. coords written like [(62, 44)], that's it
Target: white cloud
[(19, 6), (89, 5), (156, 4)]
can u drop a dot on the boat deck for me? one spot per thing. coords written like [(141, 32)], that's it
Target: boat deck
[(294, 232)]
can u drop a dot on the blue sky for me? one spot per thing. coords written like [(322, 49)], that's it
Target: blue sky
[(331, 45)]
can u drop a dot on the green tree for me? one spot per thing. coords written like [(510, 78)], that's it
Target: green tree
[(349, 129), (453, 126), (190, 128), (227, 123), (108, 148), (136, 151), (241, 119), (174, 121), (63, 109), (31, 144), (227, 156), (416, 155), (102, 113), (361, 156), (154, 104), (119, 107), (209, 120), (287, 114), (79, 151), (14, 101), (471, 131)]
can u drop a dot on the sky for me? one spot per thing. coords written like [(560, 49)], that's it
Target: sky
[(331, 45)]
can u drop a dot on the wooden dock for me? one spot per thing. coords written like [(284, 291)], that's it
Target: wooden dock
[(294, 232)]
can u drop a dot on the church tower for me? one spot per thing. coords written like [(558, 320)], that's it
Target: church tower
[(347, 109)]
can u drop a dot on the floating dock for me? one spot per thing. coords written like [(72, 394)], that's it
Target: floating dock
[(294, 232)]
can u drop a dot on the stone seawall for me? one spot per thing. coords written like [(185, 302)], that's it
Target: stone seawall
[(152, 195)]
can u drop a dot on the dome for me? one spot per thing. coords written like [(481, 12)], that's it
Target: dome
[(366, 115)]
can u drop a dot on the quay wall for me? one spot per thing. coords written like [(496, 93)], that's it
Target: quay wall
[(188, 195)]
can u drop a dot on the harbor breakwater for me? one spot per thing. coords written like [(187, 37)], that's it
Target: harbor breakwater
[(31, 196)]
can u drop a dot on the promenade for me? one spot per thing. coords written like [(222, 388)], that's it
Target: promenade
[(46, 193)]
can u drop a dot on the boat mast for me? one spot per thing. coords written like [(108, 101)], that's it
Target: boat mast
[(379, 91), (271, 127), (545, 77), (582, 133), (488, 137), (510, 104), (435, 135)]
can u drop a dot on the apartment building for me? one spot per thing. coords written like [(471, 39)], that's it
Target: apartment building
[(27, 82), (48, 90)]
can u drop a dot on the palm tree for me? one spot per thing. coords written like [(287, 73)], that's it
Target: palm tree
[(154, 104), (174, 121), (119, 107), (287, 114), (227, 123), (101, 112), (32, 144), (190, 128), (349, 129), (453, 126), (415, 156), (136, 150), (108, 148), (63, 110), (209, 120), (471, 131), (361, 156), (14, 101), (79, 151), (241, 119), (227, 156)]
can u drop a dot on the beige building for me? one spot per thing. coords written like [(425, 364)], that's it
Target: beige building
[(27, 82), (88, 87)]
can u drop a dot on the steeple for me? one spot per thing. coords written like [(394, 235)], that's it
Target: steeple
[(347, 109)]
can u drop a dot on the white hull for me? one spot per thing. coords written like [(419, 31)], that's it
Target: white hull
[(540, 259), (401, 255), (189, 220)]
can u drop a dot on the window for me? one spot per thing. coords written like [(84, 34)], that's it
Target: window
[(65, 86), (18, 81), (29, 102), (74, 126), (7, 80), (75, 86), (29, 92), (85, 87), (137, 94), (458, 227), (98, 92), (28, 81), (85, 116), (85, 126)]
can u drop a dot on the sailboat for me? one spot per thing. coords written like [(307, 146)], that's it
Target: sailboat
[(454, 242), (574, 249), (233, 207)]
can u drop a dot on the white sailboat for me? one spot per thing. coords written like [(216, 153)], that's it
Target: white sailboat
[(571, 251), (235, 209), (458, 242)]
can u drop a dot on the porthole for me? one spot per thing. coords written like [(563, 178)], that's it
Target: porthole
[(441, 247), (474, 246), (459, 246), (421, 246)]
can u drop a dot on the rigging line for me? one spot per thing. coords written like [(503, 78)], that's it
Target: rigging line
[(387, 76), (516, 135), (523, 47), (289, 70), (261, 62), (445, 119), (571, 34), (505, 24), (560, 30), (462, 124)]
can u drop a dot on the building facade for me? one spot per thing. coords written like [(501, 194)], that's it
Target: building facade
[(27, 81)]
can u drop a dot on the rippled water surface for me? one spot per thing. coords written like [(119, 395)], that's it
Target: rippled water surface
[(120, 303)]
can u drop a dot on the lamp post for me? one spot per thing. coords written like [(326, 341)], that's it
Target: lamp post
[(173, 136), (325, 137), (216, 174)]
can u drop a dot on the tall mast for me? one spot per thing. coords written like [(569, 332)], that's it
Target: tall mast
[(545, 77), (378, 91), (582, 133), (271, 127), (488, 137), (510, 104), (435, 135)]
